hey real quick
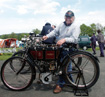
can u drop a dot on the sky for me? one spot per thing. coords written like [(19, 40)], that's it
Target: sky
[(24, 15)]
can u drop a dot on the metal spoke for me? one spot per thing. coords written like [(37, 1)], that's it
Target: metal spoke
[(84, 65)]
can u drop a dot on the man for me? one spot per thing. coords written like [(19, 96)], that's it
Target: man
[(93, 43), (46, 30), (100, 39), (66, 32)]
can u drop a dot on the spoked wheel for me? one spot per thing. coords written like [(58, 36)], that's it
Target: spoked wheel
[(21, 53), (87, 71), (13, 77)]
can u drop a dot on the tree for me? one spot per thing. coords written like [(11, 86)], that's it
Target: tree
[(21, 35), (94, 27), (36, 31), (4, 36), (86, 30), (12, 35), (89, 30)]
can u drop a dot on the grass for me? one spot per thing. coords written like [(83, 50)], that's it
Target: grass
[(90, 49), (5, 56)]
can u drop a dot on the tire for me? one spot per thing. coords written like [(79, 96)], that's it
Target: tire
[(19, 53), (93, 67), (20, 81)]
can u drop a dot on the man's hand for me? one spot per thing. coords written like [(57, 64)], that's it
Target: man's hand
[(60, 42), (45, 37)]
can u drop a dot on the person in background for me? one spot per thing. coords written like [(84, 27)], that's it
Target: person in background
[(67, 32), (100, 39), (53, 26), (46, 30), (93, 43)]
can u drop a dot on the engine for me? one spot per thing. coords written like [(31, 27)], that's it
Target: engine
[(46, 66)]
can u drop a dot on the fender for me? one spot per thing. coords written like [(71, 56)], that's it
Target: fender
[(20, 51), (90, 55), (70, 54)]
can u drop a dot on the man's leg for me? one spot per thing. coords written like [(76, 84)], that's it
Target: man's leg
[(61, 81), (101, 49), (93, 48)]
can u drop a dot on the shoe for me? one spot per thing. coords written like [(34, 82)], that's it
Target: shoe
[(94, 53), (101, 56), (58, 89)]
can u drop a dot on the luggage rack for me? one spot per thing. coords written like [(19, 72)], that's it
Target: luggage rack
[(81, 92)]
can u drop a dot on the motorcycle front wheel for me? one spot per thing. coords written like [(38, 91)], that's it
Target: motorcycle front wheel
[(13, 77)]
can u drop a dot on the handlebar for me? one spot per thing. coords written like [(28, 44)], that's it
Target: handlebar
[(38, 41)]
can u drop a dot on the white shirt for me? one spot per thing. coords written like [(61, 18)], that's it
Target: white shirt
[(69, 33)]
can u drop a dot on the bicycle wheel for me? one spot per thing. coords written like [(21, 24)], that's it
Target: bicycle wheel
[(13, 77), (89, 71)]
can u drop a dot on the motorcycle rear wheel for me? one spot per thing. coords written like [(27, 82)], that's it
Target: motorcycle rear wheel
[(89, 68)]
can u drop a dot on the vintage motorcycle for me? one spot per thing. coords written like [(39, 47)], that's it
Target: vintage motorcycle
[(18, 72)]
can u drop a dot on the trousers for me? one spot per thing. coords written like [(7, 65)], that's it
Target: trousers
[(101, 46), (61, 81)]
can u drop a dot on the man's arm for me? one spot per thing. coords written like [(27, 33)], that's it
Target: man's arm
[(74, 37), (53, 33)]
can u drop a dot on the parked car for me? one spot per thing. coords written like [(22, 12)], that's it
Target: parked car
[(84, 42)]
